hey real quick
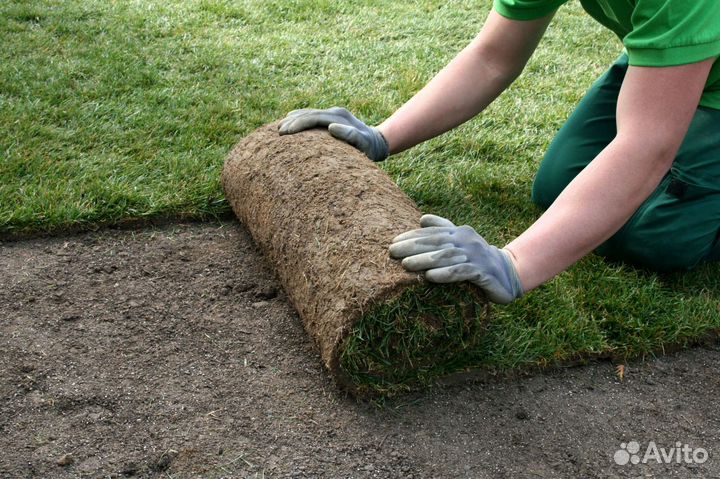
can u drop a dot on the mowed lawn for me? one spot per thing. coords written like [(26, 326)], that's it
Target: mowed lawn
[(120, 110)]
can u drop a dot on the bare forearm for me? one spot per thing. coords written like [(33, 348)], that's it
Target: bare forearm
[(468, 84), (590, 210), (655, 108)]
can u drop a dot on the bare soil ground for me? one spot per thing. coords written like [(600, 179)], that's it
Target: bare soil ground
[(172, 353)]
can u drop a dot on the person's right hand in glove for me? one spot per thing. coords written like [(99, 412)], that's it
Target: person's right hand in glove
[(449, 253), (342, 125)]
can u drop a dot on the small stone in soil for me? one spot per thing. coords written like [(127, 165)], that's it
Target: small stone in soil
[(267, 292), (522, 415), (243, 287), (164, 462), (130, 469), (66, 460)]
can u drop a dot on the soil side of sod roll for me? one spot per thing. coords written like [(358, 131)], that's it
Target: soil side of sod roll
[(324, 216)]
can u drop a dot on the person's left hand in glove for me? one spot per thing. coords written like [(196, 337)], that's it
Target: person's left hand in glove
[(449, 253)]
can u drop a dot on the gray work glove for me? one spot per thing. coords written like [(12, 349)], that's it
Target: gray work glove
[(449, 253), (342, 125)]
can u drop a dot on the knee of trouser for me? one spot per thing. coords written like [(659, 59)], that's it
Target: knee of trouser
[(648, 247), (547, 186)]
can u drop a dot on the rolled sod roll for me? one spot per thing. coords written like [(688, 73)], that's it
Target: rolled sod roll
[(324, 216)]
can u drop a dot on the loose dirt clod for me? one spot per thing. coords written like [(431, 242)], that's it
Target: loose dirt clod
[(324, 215), (65, 460)]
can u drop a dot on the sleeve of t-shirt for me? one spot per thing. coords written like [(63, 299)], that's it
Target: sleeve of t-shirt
[(673, 32), (527, 9)]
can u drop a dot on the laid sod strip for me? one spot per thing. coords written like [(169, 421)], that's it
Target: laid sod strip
[(117, 110), (324, 216)]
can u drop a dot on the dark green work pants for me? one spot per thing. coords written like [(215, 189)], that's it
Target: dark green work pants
[(678, 226)]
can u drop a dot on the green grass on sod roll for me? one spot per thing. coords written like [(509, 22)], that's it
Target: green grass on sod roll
[(119, 111), (425, 334)]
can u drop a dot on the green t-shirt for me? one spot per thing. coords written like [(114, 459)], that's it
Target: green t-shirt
[(656, 33)]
